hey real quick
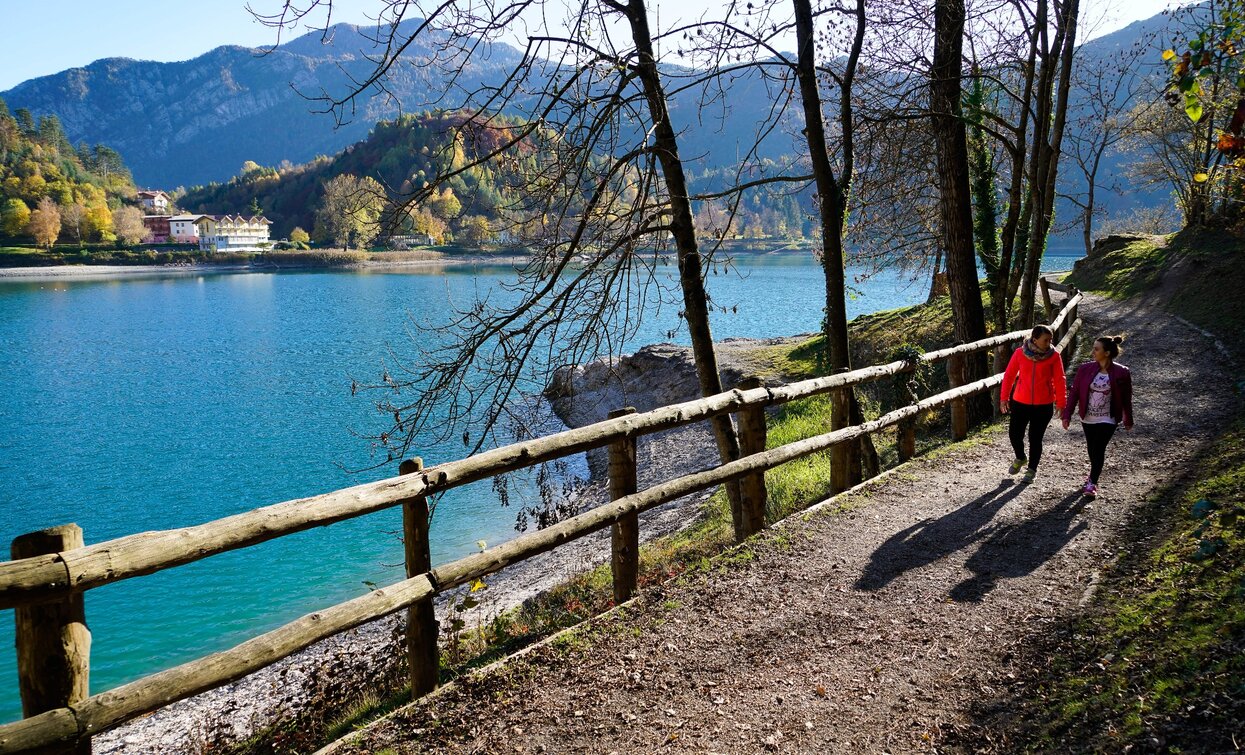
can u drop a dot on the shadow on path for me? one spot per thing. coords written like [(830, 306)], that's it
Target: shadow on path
[(931, 539), (1016, 550)]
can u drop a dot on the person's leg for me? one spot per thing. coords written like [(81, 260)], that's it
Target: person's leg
[(1016, 427), (1040, 417), (1097, 436)]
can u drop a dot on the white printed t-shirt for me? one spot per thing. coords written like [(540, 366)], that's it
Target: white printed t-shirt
[(1099, 411)]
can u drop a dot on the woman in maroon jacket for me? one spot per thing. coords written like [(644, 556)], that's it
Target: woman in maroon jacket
[(1033, 387), (1104, 392)]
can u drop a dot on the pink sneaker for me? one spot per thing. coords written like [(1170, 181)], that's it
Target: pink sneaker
[(1090, 490)]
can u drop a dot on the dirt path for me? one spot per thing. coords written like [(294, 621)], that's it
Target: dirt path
[(872, 630)]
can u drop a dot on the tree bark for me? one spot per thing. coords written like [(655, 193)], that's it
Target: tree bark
[(832, 207), (691, 271), (955, 200)]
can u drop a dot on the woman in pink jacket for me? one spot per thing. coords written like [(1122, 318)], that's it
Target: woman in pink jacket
[(1033, 387), (1104, 392)]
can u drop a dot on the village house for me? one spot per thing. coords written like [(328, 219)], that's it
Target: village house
[(183, 230), (154, 201), (233, 233), (157, 228)]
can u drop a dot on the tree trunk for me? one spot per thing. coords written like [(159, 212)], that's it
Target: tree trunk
[(1088, 229), (832, 206), (1011, 237), (955, 200), (938, 279), (1065, 44), (691, 271)]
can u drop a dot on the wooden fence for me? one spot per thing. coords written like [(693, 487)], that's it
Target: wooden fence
[(52, 568)]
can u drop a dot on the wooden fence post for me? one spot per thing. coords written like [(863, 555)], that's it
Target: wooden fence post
[(907, 427), (1074, 313), (422, 655), (1002, 355), (956, 365), (625, 533), (53, 642), (752, 431), (1044, 285), (840, 455)]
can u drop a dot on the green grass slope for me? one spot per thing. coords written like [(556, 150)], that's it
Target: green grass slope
[(1197, 274)]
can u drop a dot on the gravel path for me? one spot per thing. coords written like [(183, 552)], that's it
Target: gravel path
[(871, 628)]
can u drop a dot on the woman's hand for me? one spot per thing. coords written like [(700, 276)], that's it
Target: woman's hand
[(1066, 423), (1005, 407)]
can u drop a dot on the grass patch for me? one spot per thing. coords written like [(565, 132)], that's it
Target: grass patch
[(1123, 272), (11, 256), (369, 707), (1212, 294), (1160, 664), (1205, 269)]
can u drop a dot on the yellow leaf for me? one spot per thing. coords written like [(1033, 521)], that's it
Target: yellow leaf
[(1169, 54), (1200, 177), (478, 585), (481, 544)]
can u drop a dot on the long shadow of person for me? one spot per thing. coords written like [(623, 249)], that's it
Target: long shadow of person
[(1016, 550), (931, 539)]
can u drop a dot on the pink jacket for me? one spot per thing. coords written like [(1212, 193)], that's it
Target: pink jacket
[(1121, 392)]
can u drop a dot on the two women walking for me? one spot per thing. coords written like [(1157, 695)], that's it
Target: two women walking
[(1033, 388)]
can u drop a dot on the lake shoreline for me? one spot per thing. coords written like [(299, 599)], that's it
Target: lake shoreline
[(88, 272), (422, 260)]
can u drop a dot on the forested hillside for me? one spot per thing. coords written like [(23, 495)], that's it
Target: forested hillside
[(475, 206), (51, 189)]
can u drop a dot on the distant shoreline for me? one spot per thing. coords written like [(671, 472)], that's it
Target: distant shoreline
[(87, 272), (270, 264)]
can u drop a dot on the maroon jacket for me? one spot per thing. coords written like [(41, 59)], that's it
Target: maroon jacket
[(1121, 392)]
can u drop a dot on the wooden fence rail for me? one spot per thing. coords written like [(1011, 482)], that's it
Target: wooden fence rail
[(61, 577)]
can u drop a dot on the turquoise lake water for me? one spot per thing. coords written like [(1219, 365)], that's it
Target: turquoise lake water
[(148, 403)]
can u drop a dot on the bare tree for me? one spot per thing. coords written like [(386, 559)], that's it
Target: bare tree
[(1104, 92), (73, 221), (1054, 84), (832, 196), (602, 212), (45, 223), (127, 223)]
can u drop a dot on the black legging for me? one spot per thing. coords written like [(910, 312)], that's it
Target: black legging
[(1097, 436), (1036, 417)]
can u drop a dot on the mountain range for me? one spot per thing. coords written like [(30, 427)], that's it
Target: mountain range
[(197, 121)]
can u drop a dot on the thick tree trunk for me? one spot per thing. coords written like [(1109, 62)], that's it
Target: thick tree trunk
[(956, 202), (691, 271), (832, 206)]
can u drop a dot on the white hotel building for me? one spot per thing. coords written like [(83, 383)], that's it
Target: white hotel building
[(232, 233)]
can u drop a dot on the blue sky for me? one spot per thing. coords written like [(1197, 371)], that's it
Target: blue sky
[(43, 37)]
